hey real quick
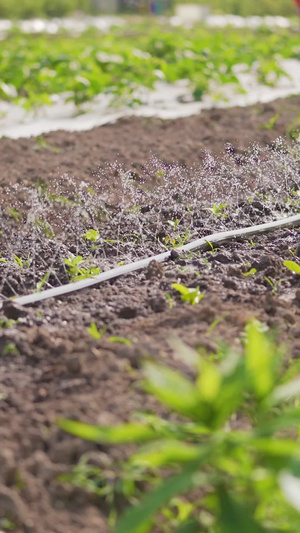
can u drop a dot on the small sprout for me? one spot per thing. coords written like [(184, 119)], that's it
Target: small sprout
[(210, 244), (218, 210), (77, 271), (7, 323), (20, 263), (174, 223), (121, 340), (273, 284), (15, 214), (292, 266), (45, 228), (191, 296), (250, 272), (91, 235), (10, 349), (94, 332), (43, 281), (170, 300), (270, 125)]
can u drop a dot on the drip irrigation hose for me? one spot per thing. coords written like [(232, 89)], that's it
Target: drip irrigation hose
[(198, 244)]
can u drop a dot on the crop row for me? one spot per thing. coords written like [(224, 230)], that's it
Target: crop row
[(33, 68)]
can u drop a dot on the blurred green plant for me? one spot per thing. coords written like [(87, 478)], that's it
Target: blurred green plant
[(234, 441), (117, 64)]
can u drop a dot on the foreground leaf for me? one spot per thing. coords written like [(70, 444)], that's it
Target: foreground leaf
[(121, 434), (235, 517), (136, 516)]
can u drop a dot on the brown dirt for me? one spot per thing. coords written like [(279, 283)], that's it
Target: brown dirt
[(60, 370)]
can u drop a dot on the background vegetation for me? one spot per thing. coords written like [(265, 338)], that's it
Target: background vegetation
[(58, 8)]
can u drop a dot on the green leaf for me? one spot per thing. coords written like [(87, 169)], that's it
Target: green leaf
[(167, 452), (259, 361), (172, 389), (94, 332), (120, 434), (235, 517), (91, 235), (292, 266), (146, 510), (121, 340), (209, 381)]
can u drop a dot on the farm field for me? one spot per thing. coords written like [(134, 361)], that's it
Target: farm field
[(74, 204)]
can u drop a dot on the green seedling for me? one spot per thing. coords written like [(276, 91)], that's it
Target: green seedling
[(170, 300), (250, 272), (178, 240), (292, 266), (77, 271), (15, 214), (174, 223), (7, 524), (20, 263), (91, 235), (45, 228), (10, 349), (253, 244), (270, 125), (211, 246), (214, 324), (7, 323), (42, 144), (121, 340), (218, 210), (201, 451), (40, 284), (191, 296), (273, 284), (94, 332)]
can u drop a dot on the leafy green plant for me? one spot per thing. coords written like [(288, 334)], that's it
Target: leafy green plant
[(77, 270), (234, 441), (191, 296), (122, 63)]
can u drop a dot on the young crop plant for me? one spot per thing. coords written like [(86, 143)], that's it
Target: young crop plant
[(273, 284), (218, 210), (77, 270), (233, 445), (91, 235), (191, 296)]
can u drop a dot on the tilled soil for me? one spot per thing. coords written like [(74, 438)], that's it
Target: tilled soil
[(51, 367)]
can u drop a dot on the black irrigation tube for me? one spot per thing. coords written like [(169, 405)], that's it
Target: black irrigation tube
[(198, 244)]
